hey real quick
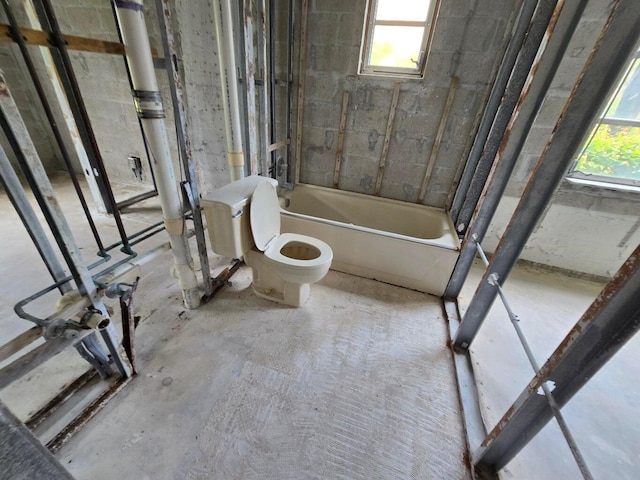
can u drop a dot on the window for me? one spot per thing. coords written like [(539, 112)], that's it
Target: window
[(396, 37), (611, 153)]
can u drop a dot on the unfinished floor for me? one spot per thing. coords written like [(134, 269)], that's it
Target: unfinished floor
[(358, 383), (602, 416)]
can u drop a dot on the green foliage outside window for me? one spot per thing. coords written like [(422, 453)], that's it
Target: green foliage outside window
[(613, 151)]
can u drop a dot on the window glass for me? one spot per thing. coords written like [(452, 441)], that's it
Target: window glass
[(396, 37), (408, 10), (613, 148), (396, 46)]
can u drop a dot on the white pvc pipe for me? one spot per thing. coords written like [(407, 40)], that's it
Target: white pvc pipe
[(149, 105), (223, 19)]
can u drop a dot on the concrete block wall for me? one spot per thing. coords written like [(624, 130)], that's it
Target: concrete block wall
[(199, 60), (105, 89), (29, 105), (469, 41), (585, 229)]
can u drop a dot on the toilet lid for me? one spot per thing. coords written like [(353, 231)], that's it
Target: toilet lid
[(265, 215)]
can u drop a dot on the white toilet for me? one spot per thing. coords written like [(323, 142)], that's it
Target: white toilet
[(243, 220)]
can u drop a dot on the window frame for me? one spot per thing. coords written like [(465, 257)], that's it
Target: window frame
[(364, 65), (607, 181)]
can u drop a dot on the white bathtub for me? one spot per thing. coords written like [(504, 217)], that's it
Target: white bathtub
[(395, 242)]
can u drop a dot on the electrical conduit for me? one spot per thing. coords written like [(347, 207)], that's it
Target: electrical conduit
[(148, 101)]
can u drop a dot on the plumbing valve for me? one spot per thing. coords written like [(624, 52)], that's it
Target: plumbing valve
[(117, 290)]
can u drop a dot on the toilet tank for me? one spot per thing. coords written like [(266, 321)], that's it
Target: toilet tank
[(227, 212)]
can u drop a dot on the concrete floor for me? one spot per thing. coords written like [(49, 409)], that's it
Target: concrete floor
[(602, 416), (358, 383)]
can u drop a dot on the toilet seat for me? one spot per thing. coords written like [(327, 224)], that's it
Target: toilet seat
[(273, 252), (265, 227)]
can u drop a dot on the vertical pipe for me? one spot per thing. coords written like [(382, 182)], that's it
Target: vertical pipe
[(148, 102), (289, 176), (271, 25), (223, 18), (264, 60), (163, 9)]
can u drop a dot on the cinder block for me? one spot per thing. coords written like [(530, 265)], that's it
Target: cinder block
[(567, 75), (435, 199), (318, 159), (338, 5), (448, 33), (418, 126), (338, 59), (81, 20), (366, 121), (550, 111), (476, 68), (323, 28), (323, 88), (400, 171), (315, 137), (351, 25), (361, 143), (360, 165), (323, 179), (321, 114), (456, 8)]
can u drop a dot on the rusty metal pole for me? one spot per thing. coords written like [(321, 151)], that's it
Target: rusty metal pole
[(507, 140), (163, 9), (598, 78), (611, 320)]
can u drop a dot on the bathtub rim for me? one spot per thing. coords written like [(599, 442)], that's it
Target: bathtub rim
[(449, 240)]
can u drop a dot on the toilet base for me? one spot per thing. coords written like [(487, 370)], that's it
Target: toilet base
[(293, 294), (268, 284)]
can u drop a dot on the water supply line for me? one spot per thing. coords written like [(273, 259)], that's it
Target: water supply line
[(148, 102), (223, 19)]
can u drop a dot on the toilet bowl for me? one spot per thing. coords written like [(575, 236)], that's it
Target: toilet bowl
[(283, 265)]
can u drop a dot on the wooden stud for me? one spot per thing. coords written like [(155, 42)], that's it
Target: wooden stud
[(73, 42), (340, 147), (276, 146), (438, 140), (387, 137), (21, 341)]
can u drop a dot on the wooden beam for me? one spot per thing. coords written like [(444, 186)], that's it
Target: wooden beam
[(340, 147), (18, 343), (438, 140), (73, 42), (276, 146), (387, 137)]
